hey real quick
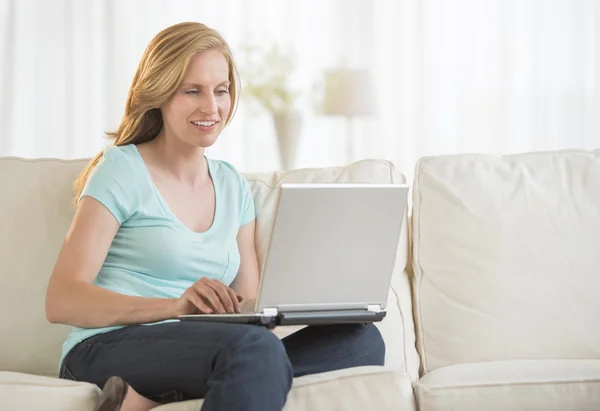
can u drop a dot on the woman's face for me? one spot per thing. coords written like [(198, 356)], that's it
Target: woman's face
[(197, 111)]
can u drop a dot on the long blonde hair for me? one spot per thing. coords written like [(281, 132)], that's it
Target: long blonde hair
[(159, 74)]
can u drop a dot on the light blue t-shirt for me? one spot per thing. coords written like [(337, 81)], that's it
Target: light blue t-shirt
[(153, 253)]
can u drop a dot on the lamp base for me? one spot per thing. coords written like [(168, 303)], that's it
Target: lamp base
[(288, 127)]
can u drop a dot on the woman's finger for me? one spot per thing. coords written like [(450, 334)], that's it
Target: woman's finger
[(222, 291), (194, 298), (234, 299), (211, 297)]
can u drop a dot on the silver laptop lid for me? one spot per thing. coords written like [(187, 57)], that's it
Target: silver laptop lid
[(333, 246)]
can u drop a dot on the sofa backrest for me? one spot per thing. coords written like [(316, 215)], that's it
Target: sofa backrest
[(35, 201), (506, 257), (35, 198)]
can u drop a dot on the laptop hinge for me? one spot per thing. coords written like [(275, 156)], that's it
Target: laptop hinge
[(375, 308), (270, 312)]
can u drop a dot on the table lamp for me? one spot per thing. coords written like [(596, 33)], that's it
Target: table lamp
[(348, 93)]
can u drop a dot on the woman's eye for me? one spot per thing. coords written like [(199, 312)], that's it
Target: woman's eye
[(191, 92), (221, 92)]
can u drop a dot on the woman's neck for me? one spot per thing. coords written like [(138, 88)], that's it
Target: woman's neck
[(183, 161)]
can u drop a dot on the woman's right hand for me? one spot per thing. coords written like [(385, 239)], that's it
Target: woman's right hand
[(209, 297)]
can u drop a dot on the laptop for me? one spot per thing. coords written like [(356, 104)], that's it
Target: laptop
[(330, 257)]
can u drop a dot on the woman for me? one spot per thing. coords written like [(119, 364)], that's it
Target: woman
[(161, 230)]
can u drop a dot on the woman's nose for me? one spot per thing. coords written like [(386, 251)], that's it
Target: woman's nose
[(209, 105)]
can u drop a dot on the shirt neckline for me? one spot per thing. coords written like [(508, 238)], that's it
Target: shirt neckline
[(166, 206)]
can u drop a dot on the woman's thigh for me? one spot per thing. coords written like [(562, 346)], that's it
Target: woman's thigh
[(165, 362), (319, 349)]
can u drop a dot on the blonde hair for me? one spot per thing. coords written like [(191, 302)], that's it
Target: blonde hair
[(159, 74)]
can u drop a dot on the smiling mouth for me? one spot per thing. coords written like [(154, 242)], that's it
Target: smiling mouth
[(204, 123)]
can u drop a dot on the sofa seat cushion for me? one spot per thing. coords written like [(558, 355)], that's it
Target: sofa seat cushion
[(360, 389), (512, 385), (19, 391)]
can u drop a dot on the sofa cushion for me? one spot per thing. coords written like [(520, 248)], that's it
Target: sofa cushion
[(506, 257), (36, 213), (360, 389), (29, 392), (534, 385)]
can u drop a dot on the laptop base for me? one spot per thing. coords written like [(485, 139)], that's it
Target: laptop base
[(292, 318)]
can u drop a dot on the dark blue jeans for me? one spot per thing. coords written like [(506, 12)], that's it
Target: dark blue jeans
[(232, 366)]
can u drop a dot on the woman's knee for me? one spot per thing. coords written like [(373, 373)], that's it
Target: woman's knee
[(374, 335), (367, 341), (374, 340), (261, 350)]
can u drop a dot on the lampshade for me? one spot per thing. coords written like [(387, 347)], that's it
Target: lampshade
[(348, 93)]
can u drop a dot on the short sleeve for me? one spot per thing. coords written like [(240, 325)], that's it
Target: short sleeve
[(247, 211), (109, 183)]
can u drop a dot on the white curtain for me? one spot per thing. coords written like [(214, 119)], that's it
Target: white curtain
[(451, 76), (493, 76)]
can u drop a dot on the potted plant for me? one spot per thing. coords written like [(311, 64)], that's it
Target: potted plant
[(266, 86)]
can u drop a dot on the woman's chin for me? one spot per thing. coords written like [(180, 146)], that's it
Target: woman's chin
[(202, 142), (206, 143)]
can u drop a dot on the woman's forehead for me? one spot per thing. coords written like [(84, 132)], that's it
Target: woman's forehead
[(208, 67)]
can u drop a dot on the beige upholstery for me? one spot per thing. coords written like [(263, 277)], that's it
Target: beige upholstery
[(506, 268), (533, 385), (36, 214), (380, 388), (504, 285), (29, 392), (375, 388), (506, 257), (35, 218)]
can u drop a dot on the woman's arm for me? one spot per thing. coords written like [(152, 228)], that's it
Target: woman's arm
[(246, 281), (73, 299)]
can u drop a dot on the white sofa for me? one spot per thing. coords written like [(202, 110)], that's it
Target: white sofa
[(494, 305)]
